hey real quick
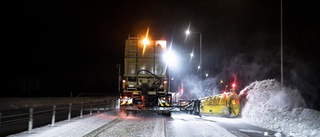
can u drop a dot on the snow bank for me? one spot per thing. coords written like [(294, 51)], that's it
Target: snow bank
[(270, 105)]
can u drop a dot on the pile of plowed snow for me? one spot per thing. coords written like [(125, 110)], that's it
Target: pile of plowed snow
[(276, 107)]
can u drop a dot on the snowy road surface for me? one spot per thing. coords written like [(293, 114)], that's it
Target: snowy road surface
[(268, 104), (114, 123)]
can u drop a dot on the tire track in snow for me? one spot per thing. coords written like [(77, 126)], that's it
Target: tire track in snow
[(103, 128)]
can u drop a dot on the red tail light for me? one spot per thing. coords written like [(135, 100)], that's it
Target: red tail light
[(237, 101), (233, 85)]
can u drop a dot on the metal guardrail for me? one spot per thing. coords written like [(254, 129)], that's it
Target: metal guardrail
[(94, 95), (10, 120)]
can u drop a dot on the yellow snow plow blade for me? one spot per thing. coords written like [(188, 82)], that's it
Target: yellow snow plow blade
[(226, 104)]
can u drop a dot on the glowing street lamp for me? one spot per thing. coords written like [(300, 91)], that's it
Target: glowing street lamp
[(171, 58), (200, 48), (191, 54)]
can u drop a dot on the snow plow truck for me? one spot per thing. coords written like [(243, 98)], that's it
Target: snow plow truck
[(145, 80), (145, 84)]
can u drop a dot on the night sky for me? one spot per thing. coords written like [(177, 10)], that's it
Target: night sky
[(53, 48)]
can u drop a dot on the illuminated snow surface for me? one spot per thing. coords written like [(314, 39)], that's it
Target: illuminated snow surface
[(279, 108), (268, 105)]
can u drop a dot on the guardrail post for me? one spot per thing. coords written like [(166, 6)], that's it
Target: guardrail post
[(90, 108), (117, 103), (105, 105), (0, 121), (69, 114), (98, 107), (81, 109), (30, 120), (53, 115)]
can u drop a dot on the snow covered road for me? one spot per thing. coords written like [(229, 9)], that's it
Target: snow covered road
[(115, 123)]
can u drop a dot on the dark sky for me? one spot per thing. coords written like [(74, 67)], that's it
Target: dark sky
[(52, 48)]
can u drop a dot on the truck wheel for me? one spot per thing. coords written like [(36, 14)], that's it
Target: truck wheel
[(200, 110), (167, 114)]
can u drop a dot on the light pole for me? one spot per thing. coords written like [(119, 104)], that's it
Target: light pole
[(119, 77), (281, 29), (200, 48)]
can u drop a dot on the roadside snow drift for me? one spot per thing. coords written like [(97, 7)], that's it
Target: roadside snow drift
[(270, 105)]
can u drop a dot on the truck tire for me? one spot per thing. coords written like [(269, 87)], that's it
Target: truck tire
[(200, 110), (167, 114)]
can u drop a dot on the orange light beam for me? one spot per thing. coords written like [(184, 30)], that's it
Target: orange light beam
[(145, 42)]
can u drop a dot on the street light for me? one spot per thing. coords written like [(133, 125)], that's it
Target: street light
[(172, 63), (207, 74), (191, 54), (199, 66)]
